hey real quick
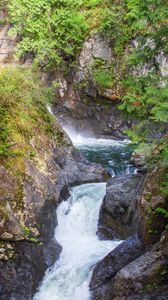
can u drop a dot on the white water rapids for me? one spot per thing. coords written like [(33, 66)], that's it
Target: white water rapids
[(81, 249)]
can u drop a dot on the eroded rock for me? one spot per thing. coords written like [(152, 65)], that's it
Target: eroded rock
[(122, 255), (142, 278), (118, 215)]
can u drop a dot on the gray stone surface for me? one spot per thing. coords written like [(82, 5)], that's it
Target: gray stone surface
[(122, 255), (118, 215), (141, 279)]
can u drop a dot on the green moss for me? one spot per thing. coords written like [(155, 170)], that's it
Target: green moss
[(150, 287), (34, 240), (18, 201), (26, 231), (160, 278), (29, 236), (103, 78)]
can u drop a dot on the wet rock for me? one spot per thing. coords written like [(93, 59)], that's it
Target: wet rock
[(146, 276), (108, 267), (140, 279), (21, 275), (90, 118), (152, 223), (118, 215)]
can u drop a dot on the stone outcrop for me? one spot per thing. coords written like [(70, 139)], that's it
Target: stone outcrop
[(146, 275), (143, 278), (115, 261), (7, 44), (152, 223), (119, 215), (80, 102)]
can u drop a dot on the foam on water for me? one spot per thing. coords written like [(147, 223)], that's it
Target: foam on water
[(93, 142), (81, 249), (82, 140)]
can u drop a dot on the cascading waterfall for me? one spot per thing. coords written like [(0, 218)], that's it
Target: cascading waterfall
[(81, 248)]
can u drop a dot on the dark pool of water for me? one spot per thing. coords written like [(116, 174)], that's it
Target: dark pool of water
[(114, 155)]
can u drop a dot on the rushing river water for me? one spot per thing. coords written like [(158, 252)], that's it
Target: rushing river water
[(81, 248), (77, 226)]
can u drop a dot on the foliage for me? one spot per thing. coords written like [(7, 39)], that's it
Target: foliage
[(28, 234), (162, 211), (23, 111), (53, 31), (103, 78), (50, 31), (146, 97)]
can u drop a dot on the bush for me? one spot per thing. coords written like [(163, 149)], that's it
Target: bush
[(51, 31), (103, 78)]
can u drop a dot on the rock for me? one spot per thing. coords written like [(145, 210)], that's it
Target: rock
[(95, 47), (21, 274), (160, 59), (108, 267), (80, 102), (138, 160), (140, 279), (164, 243), (118, 214), (152, 223), (146, 276), (7, 43), (89, 118)]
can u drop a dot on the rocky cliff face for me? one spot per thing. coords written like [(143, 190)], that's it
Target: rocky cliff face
[(119, 214), (130, 209), (83, 103), (87, 96)]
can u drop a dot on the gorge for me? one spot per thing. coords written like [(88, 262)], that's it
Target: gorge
[(83, 150)]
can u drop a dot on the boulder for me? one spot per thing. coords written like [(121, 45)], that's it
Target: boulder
[(145, 278), (118, 215), (122, 255)]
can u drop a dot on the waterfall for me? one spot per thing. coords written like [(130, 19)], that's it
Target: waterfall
[(81, 249)]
